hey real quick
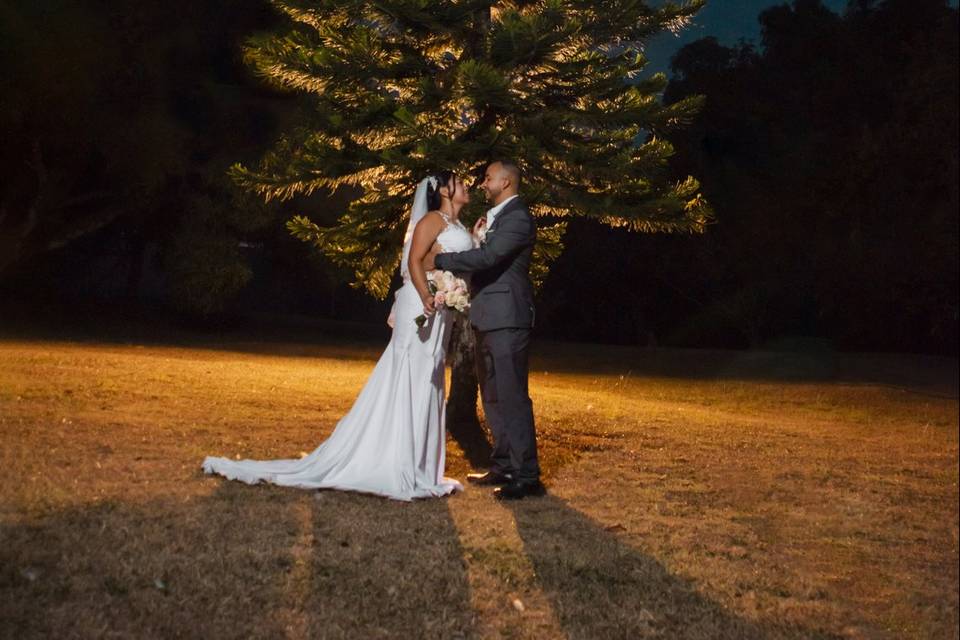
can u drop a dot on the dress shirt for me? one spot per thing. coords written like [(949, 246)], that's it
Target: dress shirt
[(492, 213)]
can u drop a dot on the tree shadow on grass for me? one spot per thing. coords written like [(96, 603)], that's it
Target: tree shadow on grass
[(472, 438), (601, 588), (165, 568), (391, 569), (242, 562)]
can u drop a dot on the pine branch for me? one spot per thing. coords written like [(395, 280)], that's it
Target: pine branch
[(403, 87)]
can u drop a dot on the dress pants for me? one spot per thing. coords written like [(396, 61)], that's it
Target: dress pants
[(503, 370)]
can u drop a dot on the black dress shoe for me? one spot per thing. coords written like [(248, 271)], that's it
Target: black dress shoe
[(520, 489), (489, 478)]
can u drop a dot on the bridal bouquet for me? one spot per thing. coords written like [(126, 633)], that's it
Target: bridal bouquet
[(448, 290)]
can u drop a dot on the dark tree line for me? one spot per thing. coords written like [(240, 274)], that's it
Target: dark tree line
[(828, 151), (119, 121), (830, 155)]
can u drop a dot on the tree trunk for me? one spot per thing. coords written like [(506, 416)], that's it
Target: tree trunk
[(463, 424)]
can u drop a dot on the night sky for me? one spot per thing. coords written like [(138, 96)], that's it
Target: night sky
[(726, 20)]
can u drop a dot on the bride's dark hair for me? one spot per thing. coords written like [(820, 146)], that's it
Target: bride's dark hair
[(444, 179)]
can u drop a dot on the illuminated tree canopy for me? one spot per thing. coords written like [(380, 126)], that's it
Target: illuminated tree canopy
[(399, 88)]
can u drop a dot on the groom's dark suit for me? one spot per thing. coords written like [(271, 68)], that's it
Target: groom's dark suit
[(501, 309)]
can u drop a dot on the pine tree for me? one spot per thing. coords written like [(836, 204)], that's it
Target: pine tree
[(401, 88)]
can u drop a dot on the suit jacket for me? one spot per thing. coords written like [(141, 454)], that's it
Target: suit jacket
[(500, 286)]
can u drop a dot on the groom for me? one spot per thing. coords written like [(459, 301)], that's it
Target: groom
[(502, 312)]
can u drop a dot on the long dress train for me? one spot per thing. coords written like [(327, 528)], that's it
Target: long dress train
[(392, 442)]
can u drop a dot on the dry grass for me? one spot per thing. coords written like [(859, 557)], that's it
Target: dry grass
[(693, 495)]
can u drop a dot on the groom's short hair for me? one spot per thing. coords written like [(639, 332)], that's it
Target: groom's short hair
[(512, 170)]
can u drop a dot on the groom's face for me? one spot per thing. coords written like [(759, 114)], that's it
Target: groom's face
[(493, 182)]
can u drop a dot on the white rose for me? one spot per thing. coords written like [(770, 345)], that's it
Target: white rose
[(449, 281)]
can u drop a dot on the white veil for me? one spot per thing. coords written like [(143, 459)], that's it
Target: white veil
[(417, 211)]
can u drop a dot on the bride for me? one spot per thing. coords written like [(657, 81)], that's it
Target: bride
[(392, 441)]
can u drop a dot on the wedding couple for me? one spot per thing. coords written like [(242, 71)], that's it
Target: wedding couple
[(392, 441)]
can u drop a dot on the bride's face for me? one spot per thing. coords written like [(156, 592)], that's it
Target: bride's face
[(460, 194)]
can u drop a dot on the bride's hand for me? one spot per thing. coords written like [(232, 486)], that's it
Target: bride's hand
[(428, 306), (479, 225)]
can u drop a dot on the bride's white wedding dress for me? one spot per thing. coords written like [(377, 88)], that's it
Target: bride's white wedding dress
[(392, 442)]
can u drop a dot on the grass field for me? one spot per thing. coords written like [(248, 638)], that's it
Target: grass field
[(693, 494)]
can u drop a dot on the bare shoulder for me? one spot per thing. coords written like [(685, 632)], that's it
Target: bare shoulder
[(435, 218), (431, 220)]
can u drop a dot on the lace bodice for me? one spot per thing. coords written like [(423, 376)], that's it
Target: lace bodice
[(454, 237)]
